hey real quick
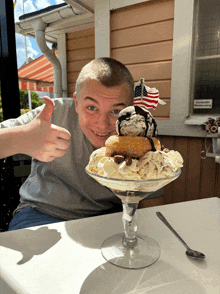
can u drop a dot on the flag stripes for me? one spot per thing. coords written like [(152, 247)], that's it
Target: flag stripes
[(150, 97)]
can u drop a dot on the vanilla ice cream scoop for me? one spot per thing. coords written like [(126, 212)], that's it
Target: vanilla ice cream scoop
[(136, 121), (159, 164)]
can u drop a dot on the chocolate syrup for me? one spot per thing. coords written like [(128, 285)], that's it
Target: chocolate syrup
[(152, 144)]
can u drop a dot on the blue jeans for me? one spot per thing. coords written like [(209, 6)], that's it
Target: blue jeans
[(30, 217)]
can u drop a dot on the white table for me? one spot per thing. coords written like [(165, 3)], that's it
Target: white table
[(66, 258)]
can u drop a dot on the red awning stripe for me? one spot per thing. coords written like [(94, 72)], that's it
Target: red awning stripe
[(43, 76), (30, 73), (35, 69), (51, 79), (39, 73), (33, 64), (33, 87)]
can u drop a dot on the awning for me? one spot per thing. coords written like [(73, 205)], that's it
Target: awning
[(37, 75)]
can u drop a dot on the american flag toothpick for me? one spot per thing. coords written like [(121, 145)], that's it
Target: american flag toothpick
[(146, 96)]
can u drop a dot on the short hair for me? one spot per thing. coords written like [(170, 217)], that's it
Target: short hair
[(108, 71)]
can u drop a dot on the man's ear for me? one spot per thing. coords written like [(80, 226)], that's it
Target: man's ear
[(76, 102)]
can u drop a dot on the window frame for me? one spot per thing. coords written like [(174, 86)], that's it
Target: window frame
[(197, 117), (182, 122)]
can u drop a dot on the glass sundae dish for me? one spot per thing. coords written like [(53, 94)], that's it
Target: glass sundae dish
[(133, 164), (129, 249)]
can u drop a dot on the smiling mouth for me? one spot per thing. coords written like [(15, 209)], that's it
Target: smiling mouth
[(102, 134)]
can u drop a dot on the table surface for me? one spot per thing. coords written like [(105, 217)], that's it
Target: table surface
[(66, 258)]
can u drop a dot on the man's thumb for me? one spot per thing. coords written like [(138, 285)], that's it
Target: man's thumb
[(48, 109)]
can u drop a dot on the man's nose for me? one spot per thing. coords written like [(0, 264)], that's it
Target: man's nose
[(104, 120)]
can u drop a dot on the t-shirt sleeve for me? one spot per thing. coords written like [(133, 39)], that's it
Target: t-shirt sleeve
[(21, 120)]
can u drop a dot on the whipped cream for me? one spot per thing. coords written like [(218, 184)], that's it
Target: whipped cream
[(107, 167), (152, 165)]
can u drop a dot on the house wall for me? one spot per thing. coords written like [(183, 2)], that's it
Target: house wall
[(80, 50)]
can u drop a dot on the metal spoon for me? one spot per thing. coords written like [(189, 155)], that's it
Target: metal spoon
[(191, 253)]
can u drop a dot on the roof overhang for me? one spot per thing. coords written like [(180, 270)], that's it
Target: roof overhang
[(58, 18)]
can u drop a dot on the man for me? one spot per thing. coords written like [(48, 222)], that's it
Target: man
[(60, 138)]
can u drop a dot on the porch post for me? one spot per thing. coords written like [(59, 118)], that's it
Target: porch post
[(8, 62), (102, 28)]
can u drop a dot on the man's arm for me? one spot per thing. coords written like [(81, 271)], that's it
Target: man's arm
[(39, 138), (10, 141)]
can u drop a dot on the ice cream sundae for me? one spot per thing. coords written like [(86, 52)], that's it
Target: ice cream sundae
[(135, 153)]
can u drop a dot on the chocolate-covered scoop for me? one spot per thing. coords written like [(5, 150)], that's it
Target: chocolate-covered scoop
[(136, 121)]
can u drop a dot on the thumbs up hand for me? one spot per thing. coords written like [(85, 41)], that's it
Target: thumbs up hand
[(45, 114), (43, 140)]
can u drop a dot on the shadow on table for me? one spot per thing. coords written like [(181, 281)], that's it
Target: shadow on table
[(92, 233), (158, 278), (30, 242)]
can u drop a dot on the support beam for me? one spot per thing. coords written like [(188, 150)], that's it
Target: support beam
[(8, 62), (61, 43), (102, 28)]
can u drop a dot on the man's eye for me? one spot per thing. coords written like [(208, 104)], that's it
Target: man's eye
[(92, 108), (116, 111)]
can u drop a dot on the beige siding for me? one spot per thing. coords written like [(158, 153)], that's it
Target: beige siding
[(156, 32), (80, 50), (144, 53), (137, 15), (142, 39)]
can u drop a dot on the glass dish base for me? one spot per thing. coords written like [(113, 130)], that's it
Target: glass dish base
[(146, 253)]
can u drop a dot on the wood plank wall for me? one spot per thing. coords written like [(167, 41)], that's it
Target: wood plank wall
[(200, 178), (142, 39), (80, 50)]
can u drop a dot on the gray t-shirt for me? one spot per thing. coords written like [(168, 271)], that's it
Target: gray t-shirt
[(62, 188)]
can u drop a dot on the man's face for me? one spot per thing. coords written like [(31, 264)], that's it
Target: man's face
[(98, 108)]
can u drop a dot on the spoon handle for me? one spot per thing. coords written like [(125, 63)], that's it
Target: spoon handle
[(161, 217)]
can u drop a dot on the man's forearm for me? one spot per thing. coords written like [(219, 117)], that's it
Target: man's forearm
[(11, 141)]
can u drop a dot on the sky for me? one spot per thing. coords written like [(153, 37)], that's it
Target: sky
[(32, 48)]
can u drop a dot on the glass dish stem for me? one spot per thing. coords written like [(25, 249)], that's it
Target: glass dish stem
[(129, 220)]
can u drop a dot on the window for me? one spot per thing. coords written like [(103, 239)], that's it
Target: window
[(205, 94)]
